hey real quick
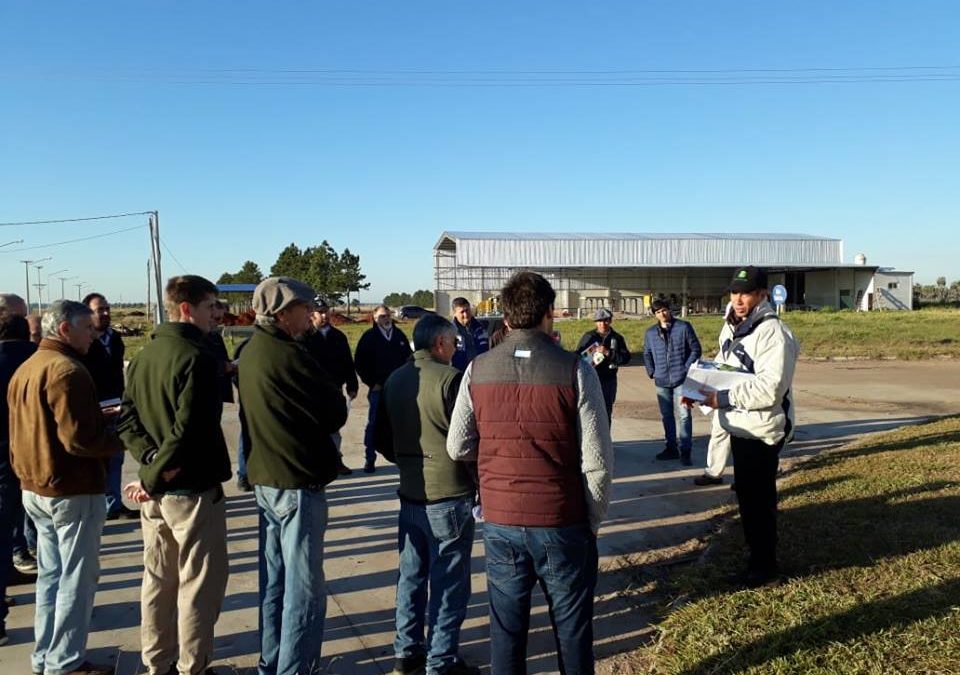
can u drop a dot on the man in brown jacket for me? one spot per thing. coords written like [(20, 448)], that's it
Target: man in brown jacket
[(58, 443)]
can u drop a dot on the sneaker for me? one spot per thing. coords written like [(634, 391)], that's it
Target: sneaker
[(685, 459), (24, 563), (3, 636), (669, 453), (707, 479), (344, 469), (87, 668), (243, 484), (409, 665), (369, 467)]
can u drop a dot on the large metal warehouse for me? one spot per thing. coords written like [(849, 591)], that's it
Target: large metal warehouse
[(627, 271)]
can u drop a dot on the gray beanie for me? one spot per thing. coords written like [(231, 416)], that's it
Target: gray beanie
[(276, 293)]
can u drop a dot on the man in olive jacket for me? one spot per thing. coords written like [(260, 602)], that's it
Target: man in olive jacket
[(436, 498), (170, 423), (291, 407)]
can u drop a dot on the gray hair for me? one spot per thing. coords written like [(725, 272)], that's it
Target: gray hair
[(59, 311), (429, 328)]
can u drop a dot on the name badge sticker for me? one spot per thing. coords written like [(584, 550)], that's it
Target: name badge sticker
[(522, 354)]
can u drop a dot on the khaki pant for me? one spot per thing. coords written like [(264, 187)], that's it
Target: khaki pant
[(184, 579)]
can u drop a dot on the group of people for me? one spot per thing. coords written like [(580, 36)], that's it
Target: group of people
[(516, 435)]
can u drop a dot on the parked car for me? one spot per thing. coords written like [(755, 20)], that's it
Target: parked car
[(411, 312)]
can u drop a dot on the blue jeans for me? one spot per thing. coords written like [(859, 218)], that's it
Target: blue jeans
[(668, 398), (241, 458), (373, 397), (435, 541), (293, 594), (114, 478), (564, 561), (68, 556)]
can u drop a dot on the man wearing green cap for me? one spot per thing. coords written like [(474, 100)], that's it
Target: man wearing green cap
[(757, 413)]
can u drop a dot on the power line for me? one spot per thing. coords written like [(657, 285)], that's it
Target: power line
[(74, 241), (167, 249), (75, 220)]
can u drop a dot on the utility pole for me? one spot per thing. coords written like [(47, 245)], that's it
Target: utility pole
[(39, 288), (157, 275), (26, 274), (148, 287), (79, 286), (48, 282), (63, 293)]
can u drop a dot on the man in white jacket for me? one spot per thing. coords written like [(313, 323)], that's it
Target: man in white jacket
[(758, 413)]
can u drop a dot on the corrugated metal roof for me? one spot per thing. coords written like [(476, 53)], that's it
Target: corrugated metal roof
[(644, 249)]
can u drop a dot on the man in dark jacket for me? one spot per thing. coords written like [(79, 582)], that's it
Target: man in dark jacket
[(607, 350), (436, 497), (291, 407), (670, 347), (381, 350), (170, 423), (472, 337), (105, 363), (15, 348), (329, 346), (545, 469)]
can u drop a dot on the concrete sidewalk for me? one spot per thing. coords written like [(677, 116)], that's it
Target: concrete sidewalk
[(656, 517)]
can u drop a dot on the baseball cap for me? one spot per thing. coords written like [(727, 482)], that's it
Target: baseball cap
[(277, 293), (748, 279)]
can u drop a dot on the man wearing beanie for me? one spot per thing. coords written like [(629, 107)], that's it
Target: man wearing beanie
[(291, 407)]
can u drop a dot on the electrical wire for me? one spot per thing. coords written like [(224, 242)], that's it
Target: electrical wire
[(74, 241), (76, 220), (167, 249)]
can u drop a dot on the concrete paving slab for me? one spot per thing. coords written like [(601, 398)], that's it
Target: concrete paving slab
[(655, 510)]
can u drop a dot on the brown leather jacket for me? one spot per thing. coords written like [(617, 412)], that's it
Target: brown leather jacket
[(58, 437)]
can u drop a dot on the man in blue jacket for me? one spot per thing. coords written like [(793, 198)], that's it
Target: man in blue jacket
[(670, 347)]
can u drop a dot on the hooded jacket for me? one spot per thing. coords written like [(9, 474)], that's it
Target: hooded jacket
[(761, 408)]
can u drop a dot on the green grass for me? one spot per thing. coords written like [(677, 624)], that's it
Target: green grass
[(929, 333), (870, 536)]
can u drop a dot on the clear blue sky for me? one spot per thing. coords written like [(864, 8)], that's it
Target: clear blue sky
[(109, 107)]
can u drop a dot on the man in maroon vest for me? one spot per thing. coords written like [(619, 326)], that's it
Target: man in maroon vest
[(533, 418)]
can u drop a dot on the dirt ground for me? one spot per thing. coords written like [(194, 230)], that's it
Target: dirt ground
[(657, 519)]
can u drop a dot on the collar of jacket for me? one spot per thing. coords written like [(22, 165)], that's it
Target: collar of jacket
[(179, 329), (760, 313), (427, 355), (522, 335), (59, 346), (277, 333)]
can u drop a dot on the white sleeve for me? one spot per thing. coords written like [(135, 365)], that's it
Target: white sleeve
[(463, 439), (596, 448)]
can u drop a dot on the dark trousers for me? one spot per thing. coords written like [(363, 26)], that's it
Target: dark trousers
[(10, 509), (608, 385), (755, 474)]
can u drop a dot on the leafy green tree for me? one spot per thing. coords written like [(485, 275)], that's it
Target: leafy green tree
[(249, 274), (353, 278), (424, 298)]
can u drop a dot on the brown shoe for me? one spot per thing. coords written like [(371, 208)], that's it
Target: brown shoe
[(87, 668)]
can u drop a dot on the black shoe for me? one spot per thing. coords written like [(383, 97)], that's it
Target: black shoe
[(409, 665), (685, 459), (8, 601), (707, 479), (3, 636), (669, 453), (733, 486), (368, 467), (24, 563), (243, 484), (344, 469), (87, 668), (461, 668), (123, 513), (756, 579)]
